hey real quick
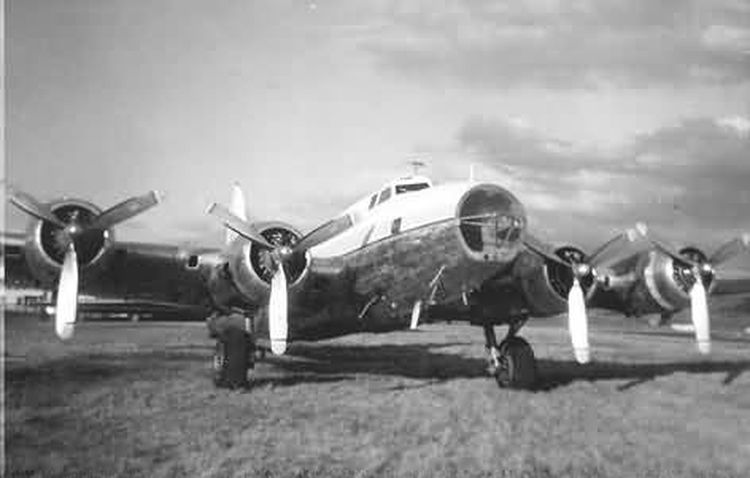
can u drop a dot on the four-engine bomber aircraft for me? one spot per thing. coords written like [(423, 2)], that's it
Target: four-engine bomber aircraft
[(457, 251)]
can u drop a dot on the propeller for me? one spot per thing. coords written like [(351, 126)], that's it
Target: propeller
[(730, 249), (278, 322), (578, 323), (238, 225), (612, 251), (701, 269), (28, 204), (67, 295), (237, 207), (699, 316), (277, 312), (67, 289), (125, 210)]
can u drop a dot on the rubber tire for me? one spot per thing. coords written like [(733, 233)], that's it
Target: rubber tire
[(520, 370), (232, 358)]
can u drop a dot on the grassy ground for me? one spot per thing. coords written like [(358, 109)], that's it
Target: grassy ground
[(135, 400)]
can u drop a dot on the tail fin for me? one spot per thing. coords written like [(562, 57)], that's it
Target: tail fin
[(237, 207)]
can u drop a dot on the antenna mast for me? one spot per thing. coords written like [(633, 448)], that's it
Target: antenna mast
[(416, 164)]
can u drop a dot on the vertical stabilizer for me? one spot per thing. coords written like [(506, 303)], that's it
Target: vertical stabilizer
[(237, 207)]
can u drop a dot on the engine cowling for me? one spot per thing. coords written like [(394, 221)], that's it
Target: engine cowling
[(248, 268), (46, 242), (665, 285), (546, 283)]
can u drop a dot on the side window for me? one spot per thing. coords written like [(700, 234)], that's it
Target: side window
[(373, 200), (192, 262), (396, 226), (385, 194)]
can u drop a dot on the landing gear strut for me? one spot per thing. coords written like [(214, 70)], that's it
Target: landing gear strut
[(234, 349), (512, 363)]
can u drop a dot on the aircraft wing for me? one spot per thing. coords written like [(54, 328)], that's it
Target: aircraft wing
[(127, 276), (158, 273), (95, 308), (732, 284), (636, 273)]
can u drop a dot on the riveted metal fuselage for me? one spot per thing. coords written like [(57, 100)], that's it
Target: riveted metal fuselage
[(418, 250)]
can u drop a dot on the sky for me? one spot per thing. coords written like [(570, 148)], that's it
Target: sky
[(595, 113)]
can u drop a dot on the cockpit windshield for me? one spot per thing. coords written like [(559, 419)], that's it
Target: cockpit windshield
[(405, 188), (362, 208)]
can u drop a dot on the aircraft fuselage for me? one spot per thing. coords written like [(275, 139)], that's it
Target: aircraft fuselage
[(435, 246)]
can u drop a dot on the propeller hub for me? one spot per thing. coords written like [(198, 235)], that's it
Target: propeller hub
[(690, 266), (265, 261), (284, 253), (281, 255), (75, 217), (581, 270)]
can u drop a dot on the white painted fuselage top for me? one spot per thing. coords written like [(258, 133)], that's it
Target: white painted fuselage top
[(400, 206), (371, 203)]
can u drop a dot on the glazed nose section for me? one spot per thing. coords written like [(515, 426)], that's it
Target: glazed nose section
[(492, 222)]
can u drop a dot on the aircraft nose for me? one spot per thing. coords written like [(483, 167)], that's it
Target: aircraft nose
[(492, 222)]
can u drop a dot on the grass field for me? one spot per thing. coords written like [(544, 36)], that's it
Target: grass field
[(136, 400)]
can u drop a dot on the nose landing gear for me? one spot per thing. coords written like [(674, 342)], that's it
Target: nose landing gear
[(512, 362)]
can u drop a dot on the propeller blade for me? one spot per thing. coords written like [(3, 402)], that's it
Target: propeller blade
[(614, 250), (578, 323), (700, 317), (238, 225), (306, 241), (277, 312), (28, 204), (125, 210), (67, 295), (543, 249), (664, 246), (236, 207), (730, 249)]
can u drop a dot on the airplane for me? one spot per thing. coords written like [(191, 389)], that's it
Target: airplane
[(409, 250)]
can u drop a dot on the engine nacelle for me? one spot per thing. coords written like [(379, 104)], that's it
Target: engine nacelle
[(546, 283), (664, 285), (245, 276), (46, 243)]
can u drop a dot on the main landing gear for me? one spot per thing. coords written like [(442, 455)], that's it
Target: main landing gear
[(234, 352), (512, 363)]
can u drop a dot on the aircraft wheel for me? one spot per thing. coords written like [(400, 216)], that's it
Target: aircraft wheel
[(232, 358), (517, 364)]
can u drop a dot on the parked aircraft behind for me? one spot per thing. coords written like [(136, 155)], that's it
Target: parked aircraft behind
[(408, 249)]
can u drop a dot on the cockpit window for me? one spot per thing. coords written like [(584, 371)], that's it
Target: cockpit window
[(373, 201), (405, 188), (385, 194)]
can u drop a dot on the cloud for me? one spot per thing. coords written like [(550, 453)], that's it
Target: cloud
[(692, 178), (576, 44), (739, 124)]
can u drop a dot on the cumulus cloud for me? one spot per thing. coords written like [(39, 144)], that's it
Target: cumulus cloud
[(584, 43), (693, 176)]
